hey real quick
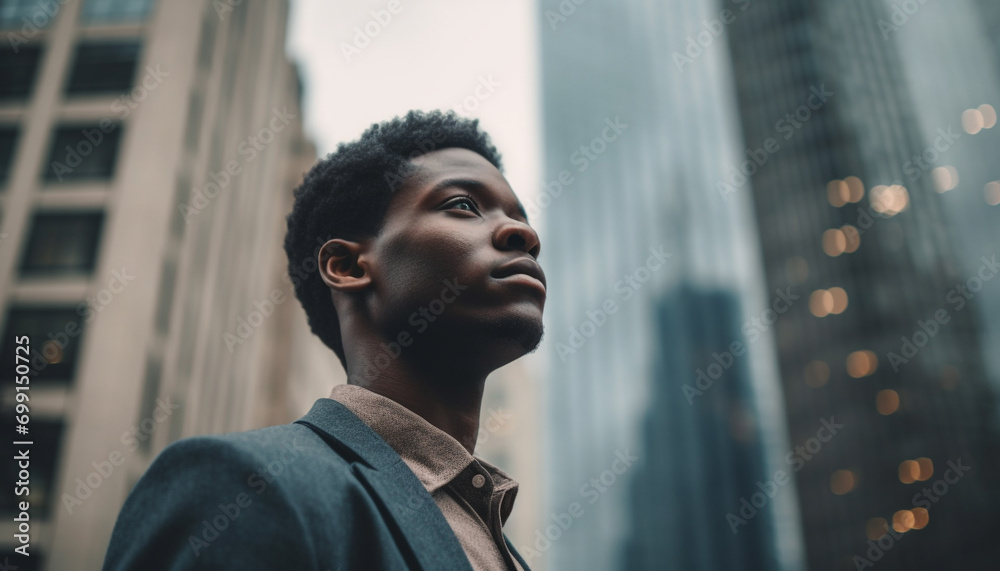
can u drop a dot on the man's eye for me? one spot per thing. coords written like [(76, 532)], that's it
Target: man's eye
[(463, 203)]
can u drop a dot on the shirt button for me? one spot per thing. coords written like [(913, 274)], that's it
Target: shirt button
[(478, 480)]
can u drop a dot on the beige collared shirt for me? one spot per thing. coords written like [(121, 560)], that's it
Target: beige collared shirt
[(474, 496)]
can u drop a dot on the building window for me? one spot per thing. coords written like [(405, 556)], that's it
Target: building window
[(17, 13), (115, 11), (18, 67), (55, 335), (8, 138), (62, 243), (103, 67), (83, 152)]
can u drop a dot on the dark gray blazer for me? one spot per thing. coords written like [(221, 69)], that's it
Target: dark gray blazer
[(324, 493)]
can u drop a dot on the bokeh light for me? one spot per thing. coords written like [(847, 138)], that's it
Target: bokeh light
[(861, 363), (887, 401), (842, 482)]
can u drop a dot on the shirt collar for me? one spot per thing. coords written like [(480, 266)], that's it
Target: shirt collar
[(433, 455)]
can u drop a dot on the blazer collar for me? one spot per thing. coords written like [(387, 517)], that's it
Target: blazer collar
[(383, 471)]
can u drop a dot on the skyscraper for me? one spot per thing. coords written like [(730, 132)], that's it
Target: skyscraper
[(889, 348), (148, 151), (637, 132), (951, 66)]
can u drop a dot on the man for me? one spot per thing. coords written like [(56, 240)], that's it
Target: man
[(427, 281)]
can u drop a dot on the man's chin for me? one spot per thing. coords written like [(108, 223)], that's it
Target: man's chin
[(524, 332)]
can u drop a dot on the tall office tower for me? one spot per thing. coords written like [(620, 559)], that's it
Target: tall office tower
[(716, 441), (148, 151), (953, 71), (889, 348), (646, 459)]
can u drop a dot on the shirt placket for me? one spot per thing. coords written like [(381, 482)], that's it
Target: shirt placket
[(476, 487)]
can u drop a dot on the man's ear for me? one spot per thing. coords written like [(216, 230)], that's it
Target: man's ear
[(343, 266)]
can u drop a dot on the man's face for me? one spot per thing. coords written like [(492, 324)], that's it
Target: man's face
[(454, 265)]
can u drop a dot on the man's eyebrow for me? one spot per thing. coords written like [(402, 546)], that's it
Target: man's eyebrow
[(474, 186)]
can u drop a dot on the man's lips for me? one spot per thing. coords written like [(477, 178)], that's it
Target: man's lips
[(521, 267)]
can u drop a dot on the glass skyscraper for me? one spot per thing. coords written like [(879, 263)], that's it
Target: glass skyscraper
[(653, 273), (847, 204)]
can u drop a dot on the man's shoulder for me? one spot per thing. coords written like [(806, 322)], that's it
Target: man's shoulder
[(276, 497), (288, 450)]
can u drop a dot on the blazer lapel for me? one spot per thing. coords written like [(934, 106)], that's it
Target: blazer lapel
[(520, 560), (381, 469)]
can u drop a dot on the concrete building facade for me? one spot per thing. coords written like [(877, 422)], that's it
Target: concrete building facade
[(148, 151)]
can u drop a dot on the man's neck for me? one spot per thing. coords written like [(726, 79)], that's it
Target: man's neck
[(449, 402)]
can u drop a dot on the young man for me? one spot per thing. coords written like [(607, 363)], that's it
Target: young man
[(427, 281)]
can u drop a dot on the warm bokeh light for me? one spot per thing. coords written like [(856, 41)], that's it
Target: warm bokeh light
[(876, 528), (920, 518), (992, 193), (817, 374), (834, 242), (926, 468), (842, 482), (889, 200), (856, 189), (903, 520), (989, 115), (909, 471), (973, 121), (53, 352), (887, 401), (852, 236), (861, 363), (837, 192), (820, 303), (945, 178), (839, 300)]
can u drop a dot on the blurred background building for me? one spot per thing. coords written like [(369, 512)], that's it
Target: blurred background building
[(615, 194), (144, 186), (849, 209), (950, 46)]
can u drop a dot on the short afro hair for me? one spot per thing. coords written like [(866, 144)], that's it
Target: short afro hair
[(346, 195)]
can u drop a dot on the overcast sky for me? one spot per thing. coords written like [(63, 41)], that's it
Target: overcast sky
[(428, 55)]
